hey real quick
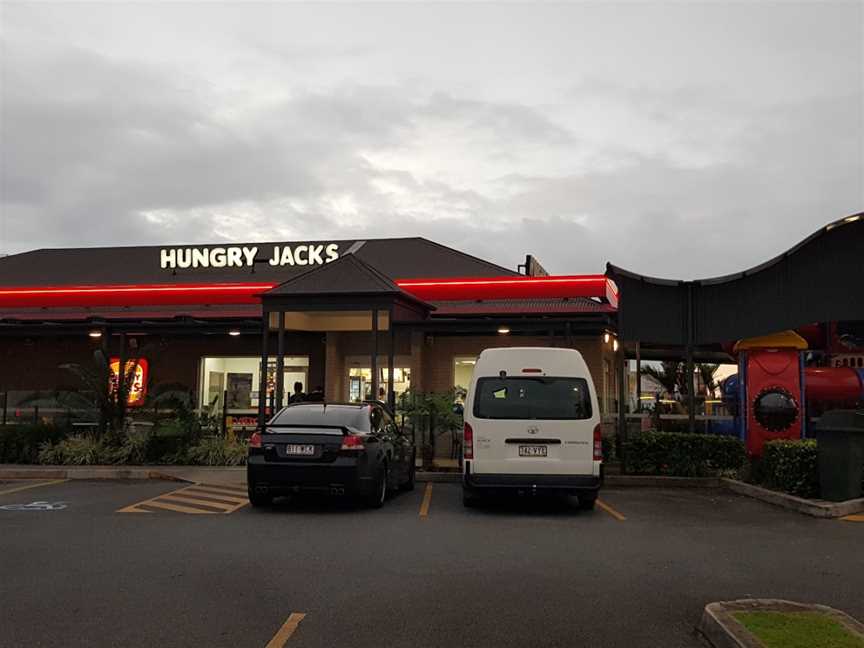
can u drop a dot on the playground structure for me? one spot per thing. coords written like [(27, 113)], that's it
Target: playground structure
[(779, 389)]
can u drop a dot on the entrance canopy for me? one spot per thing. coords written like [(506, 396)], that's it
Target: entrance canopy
[(344, 295)]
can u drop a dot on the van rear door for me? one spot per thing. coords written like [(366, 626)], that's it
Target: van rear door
[(532, 425)]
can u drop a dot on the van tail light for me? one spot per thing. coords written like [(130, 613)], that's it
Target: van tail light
[(467, 442), (255, 440), (353, 442), (598, 442)]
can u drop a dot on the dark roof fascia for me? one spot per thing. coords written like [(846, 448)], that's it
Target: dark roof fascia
[(613, 270), (493, 266), (341, 302)]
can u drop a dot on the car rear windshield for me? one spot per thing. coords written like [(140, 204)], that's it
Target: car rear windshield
[(532, 398), (317, 414)]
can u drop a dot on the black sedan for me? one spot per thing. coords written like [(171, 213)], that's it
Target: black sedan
[(340, 449)]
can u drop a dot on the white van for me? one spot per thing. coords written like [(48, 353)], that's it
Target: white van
[(532, 424)]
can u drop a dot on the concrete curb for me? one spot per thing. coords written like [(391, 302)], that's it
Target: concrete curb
[(722, 630), (815, 508), (660, 481)]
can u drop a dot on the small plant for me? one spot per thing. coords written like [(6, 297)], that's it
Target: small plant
[(217, 451), (75, 451), (133, 448)]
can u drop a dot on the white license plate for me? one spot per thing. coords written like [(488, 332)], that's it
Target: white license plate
[(298, 450), (533, 451)]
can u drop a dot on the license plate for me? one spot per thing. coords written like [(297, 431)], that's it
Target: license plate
[(297, 450), (533, 451)]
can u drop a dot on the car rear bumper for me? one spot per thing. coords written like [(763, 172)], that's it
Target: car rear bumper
[(345, 475), (570, 484)]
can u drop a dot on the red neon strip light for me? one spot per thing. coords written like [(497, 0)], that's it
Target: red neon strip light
[(512, 288), (598, 286)]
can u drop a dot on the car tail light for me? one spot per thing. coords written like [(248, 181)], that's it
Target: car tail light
[(598, 442), (255, 440), (353, 442), (467, 442)]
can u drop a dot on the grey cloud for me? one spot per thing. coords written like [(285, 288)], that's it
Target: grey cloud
[(101, 149)]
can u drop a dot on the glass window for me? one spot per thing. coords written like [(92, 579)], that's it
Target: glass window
[(232, 382), (463, 371), (532, 398), (360, 382)]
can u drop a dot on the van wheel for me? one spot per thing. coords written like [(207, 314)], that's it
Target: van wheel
[(587, 502), (469, 499)]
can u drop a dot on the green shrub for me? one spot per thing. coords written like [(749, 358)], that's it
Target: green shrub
[(19, 444), (76, 451), (217, 451), (791, 466), (682, 455), (133, 448)]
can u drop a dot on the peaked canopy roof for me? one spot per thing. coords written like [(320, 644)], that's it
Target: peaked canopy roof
[(346, 284), (819, 280), (347, 275)]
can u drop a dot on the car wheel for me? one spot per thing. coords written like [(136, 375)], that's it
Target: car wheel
[(412, 475), (257, 499), (376, 498), (587, 503)]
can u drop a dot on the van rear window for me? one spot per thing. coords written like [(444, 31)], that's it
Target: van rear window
[(543, 397)]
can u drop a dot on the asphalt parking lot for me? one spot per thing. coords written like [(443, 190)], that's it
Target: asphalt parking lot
[(82, 569)]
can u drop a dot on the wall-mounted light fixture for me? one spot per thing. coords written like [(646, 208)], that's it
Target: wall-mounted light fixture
[(615, 345), (95, 334), (606, 338), (503, 330), (233, 332)]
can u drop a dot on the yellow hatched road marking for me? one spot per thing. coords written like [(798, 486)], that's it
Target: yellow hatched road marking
[(179, 497), (853, 518), (161, 504), (207, 493), (427, 500), (29, 486), (285, 632), (216, 488), (222, 499), (207, 497), (611, 511)]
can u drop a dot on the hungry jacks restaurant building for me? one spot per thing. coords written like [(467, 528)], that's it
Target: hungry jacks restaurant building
[(238, 325)]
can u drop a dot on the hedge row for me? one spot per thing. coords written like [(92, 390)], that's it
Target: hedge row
[(682, 455), (19, 444), (791, 467), (47, 444)]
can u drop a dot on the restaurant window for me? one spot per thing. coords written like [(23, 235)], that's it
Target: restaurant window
[(463, 371), (360, 378), (232, 382), (360, 382)]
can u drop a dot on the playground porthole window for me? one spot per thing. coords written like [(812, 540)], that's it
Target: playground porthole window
[(775, 409)]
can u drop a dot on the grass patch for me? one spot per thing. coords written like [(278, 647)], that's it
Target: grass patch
[(798, 630)]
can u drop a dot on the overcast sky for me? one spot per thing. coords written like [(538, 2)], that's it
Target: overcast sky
[(678, 140)]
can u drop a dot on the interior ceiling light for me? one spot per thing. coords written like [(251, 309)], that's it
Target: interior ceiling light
[(95, 334), (503, 330), (233, 332)]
